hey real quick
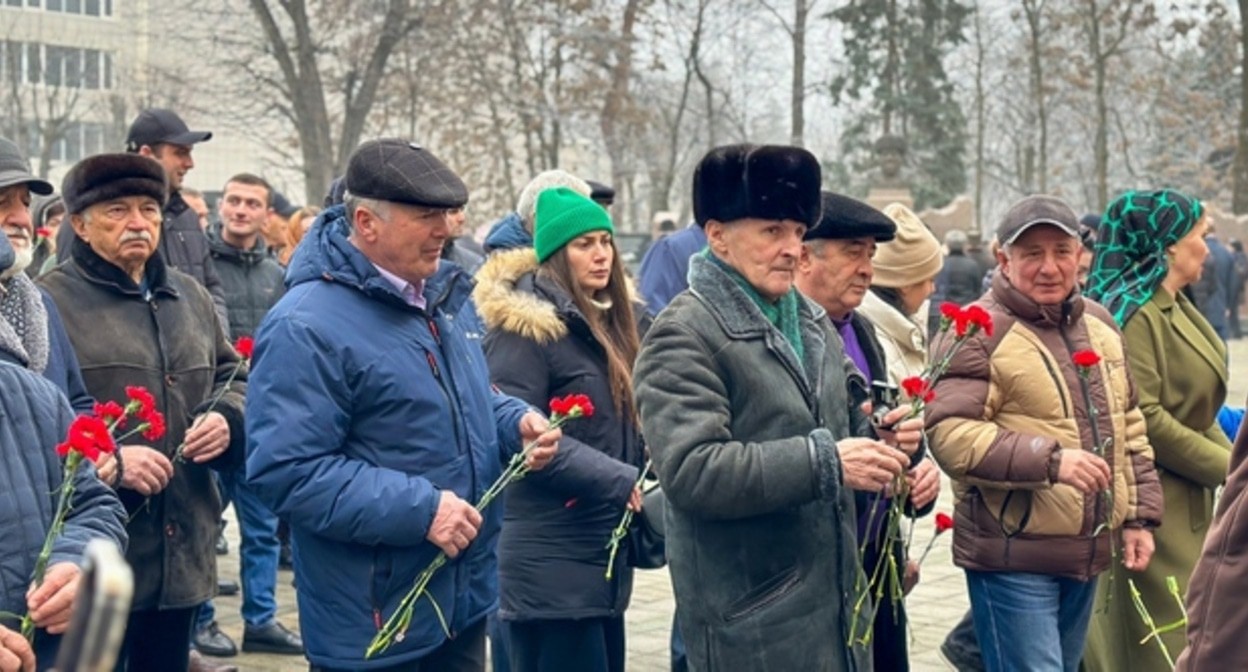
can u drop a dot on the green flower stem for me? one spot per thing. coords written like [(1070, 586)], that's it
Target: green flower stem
[(1142, 610), (212, 405), (395, 627), (72, 461), (621, 530)]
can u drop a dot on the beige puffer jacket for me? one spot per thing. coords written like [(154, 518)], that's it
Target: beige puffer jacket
[(1009, 402)]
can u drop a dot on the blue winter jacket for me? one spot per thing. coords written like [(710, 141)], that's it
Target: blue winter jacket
[(507, 234), (360, 410)]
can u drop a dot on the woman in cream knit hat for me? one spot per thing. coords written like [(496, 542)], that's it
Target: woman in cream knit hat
[(905, 272)]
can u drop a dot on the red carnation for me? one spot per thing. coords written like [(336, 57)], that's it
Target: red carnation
[(950, 310), (43, 232), (111, 413), (244, 345), (155, 421), (140, 396), (944, 523), (1086, 359), (89, 436), (917, 387), (980, 318), (560, 405), (582, 402)]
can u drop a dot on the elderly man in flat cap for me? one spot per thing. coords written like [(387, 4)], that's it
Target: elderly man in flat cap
[(754, 415), (372, 425), (836, 271), (136, 322)]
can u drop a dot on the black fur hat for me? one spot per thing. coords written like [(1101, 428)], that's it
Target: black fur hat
[(104, 177), (762, 181)]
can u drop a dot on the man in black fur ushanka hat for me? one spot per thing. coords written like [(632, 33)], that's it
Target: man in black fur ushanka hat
[(760, 418)]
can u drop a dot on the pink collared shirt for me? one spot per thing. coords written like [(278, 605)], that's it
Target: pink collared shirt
[(414, 295)]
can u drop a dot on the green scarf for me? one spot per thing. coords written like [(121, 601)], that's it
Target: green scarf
[(781, 314)]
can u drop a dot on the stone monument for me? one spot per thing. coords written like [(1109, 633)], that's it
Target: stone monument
[(887, 183)]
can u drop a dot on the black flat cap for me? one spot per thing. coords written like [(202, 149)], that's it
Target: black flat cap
[(390, 169), (845, 217), (760, 181), (15, 170), (158, 125), (600, 193), (104, 177)]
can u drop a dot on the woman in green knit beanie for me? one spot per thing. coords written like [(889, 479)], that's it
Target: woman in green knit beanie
[(560, 321)]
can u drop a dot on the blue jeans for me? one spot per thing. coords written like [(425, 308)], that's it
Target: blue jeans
[(258, 552), (1033, 622)]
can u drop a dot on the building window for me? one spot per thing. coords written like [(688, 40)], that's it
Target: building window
[(54, 65)]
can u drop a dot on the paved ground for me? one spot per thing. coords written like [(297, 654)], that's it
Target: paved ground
[(934, 606)]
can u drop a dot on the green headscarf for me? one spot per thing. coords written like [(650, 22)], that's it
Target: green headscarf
[(781, 314), (1131, 247)]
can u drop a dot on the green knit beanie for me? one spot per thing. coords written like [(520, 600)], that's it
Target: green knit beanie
[(562, 216)]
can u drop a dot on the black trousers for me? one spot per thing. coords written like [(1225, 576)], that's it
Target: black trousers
[(582, 645), (465, 653), (157, 640)]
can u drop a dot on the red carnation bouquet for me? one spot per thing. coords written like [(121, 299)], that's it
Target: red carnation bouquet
[(562, 409), (89, 438), (244, 347), (885, 576)]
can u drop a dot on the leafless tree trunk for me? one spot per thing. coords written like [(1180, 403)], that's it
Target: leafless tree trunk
[(1102, 48), (1239, 202), (613, 119), (302, 84), (980, 117), (1032, 9), (797, 85)]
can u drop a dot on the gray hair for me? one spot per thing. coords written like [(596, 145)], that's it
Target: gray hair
[(956, 240), (352, 203), (526, 205)]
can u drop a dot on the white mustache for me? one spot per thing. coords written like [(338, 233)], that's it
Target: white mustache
[(135, 235)]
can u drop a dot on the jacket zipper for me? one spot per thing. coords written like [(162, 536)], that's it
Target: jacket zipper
[(1057, 383), (456, 419), (1093, 418), (768, 598)]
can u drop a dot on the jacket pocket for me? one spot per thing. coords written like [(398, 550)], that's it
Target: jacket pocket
[(769, 592), (380, 573)]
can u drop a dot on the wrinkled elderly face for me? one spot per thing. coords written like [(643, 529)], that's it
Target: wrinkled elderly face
[(15, 221), (764, 251), (406, 240), (15, 216), (1043, 263), (124, 231), (836, 274)]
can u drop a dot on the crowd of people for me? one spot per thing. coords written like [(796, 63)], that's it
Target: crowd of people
[(394, 369)]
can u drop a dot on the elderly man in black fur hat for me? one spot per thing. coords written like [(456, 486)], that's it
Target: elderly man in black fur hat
[(134, 321), (759, 412)]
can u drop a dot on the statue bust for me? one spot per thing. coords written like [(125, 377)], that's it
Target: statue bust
[(890, 157)]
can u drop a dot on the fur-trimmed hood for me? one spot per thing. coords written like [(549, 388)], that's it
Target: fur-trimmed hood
[(509, 296), (505, 302)]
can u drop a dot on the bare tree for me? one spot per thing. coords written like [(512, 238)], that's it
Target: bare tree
[(301, 94), (797, 85), (1239, 202)]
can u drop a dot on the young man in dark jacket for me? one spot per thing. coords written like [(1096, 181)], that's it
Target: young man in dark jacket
[(252, 280), (35, 417), (136, 322), (372, 425)]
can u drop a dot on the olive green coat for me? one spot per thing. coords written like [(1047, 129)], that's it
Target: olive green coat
[(1179, 365)]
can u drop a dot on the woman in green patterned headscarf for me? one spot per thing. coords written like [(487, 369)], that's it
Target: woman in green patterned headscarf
[(1150, 247)]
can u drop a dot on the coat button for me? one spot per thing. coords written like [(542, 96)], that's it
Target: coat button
[(169, 530), (170, 381)]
